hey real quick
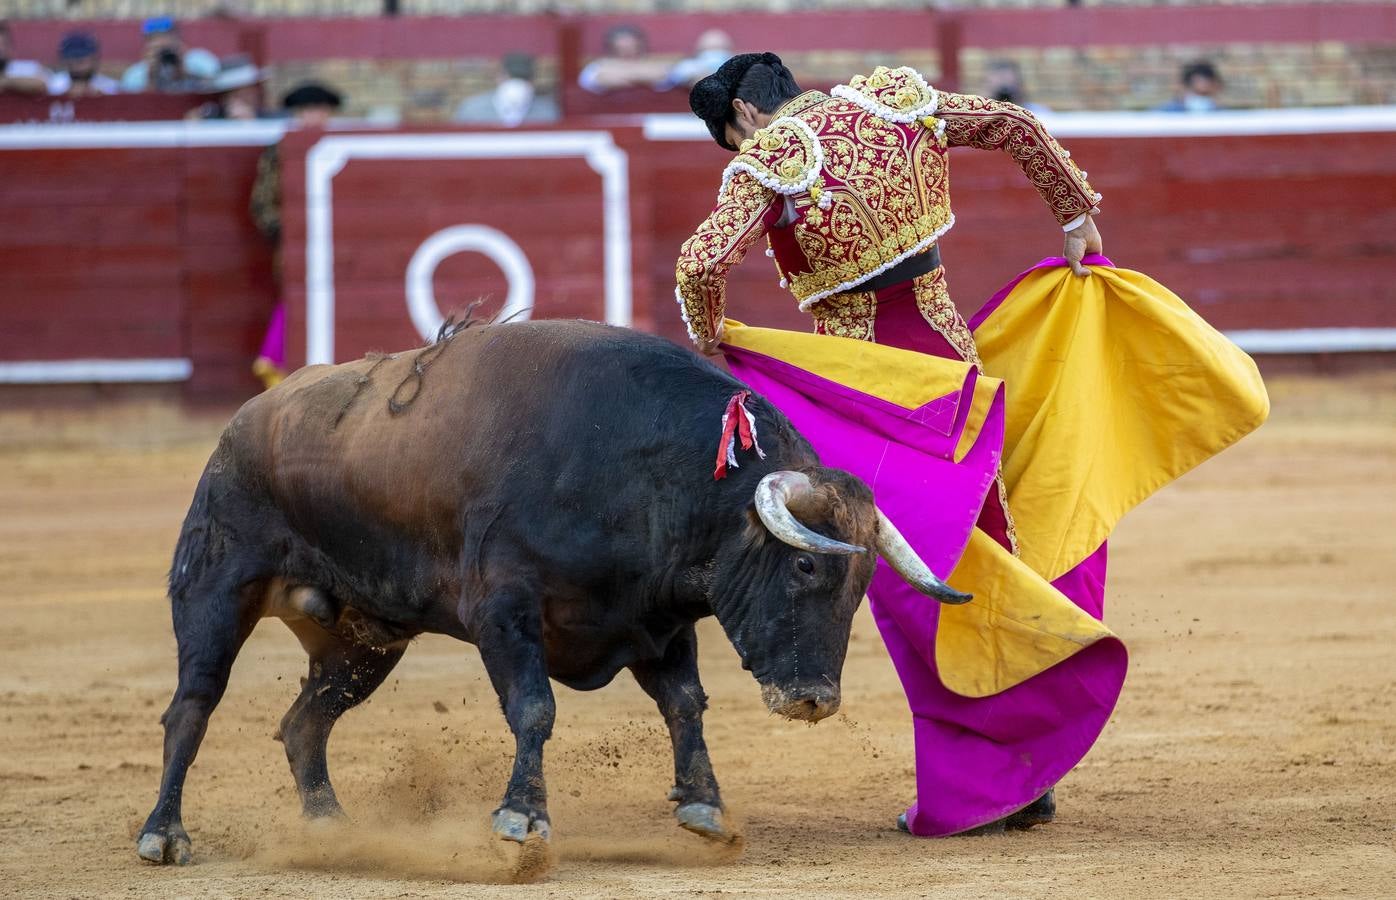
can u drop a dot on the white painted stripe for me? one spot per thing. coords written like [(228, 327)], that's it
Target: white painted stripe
[(85, 371), (1315, 340), (119, 135), (681, 127), (328, 156), (1319, 120)]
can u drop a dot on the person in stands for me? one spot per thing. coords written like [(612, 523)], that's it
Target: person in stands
[(310, 106), (625, 64), (166, 64), (515, 99), (1201, 85), (21, 76), (79, 64)]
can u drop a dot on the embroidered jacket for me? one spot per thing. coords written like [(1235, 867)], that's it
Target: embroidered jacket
[(847, 186)]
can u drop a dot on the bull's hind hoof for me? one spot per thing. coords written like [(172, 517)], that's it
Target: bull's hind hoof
[(705, 820), (160, 849), (511, 825)]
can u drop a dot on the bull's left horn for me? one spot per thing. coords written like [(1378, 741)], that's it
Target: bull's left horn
[(773, 494), (894, 548)]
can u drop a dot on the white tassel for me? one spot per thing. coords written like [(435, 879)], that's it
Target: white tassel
[(751, 421)]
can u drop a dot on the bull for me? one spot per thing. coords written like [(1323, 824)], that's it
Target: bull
[(544, 491)]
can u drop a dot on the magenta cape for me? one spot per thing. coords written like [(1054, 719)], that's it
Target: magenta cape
[(977, 758)]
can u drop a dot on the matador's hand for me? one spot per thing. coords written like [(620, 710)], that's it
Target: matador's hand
[(712, 346), (1080, 241)]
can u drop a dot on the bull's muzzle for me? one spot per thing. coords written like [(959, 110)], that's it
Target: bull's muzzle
[(805, 702)]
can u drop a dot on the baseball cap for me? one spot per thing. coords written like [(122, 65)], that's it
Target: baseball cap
[(78, 45), (157, 25)]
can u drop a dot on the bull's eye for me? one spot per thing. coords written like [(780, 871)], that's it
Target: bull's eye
[(804, 564)]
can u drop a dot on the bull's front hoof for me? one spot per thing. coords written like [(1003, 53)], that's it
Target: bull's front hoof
[(165, 849), (511, 825), (705, 820), (523, 845)]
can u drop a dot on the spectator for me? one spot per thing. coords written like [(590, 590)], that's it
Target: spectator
[(625, 64), (79, 58), (167, 64), (513, 101), (714, 48), (1201, 84), (1003, 80), (238, 90), (24, 76), (310, 106)]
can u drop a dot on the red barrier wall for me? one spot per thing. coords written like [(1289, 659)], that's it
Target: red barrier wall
[(1269, 232), (134, 254), (150, 252)]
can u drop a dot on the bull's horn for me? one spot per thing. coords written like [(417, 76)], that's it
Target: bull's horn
[(892, 547), (773, 494)]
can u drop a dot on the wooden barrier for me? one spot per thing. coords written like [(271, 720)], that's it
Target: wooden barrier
[(138, 255), (24, 108), (1257, 232), (141, 250)]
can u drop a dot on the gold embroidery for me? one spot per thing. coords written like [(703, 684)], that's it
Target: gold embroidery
[(718, 244), (847, 315), (799, 104), (994, 125), (1009, 529), (881, 192), (933, 300)]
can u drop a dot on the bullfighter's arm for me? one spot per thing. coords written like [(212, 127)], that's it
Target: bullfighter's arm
[(986, 124), (740, 219)]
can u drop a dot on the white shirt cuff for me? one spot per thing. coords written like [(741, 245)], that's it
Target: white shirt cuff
[(1075, 223)]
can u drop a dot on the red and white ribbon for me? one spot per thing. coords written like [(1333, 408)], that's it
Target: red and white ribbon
[(737, 422)]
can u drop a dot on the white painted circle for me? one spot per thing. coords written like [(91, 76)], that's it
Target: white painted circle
[(421, 294)]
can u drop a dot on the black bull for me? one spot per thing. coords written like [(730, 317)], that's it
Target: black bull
[(546, 494)]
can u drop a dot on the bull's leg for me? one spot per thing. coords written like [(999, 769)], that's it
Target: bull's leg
[(211, 621), (342, 675), (509, 633), (674, 685)]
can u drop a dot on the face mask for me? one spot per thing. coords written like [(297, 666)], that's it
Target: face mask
[(512, 99)]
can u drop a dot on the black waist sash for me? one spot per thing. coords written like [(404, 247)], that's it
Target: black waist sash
[(907, 269)]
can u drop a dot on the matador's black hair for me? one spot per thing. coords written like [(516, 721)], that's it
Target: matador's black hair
[(760, 79)]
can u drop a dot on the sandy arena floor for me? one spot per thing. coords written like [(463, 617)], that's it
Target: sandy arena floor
[(1253, 753)]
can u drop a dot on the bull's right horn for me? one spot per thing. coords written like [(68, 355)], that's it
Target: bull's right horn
[(899, 554), (773, 494)]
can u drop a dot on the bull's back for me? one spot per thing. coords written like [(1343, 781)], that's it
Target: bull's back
[(414, 439)]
